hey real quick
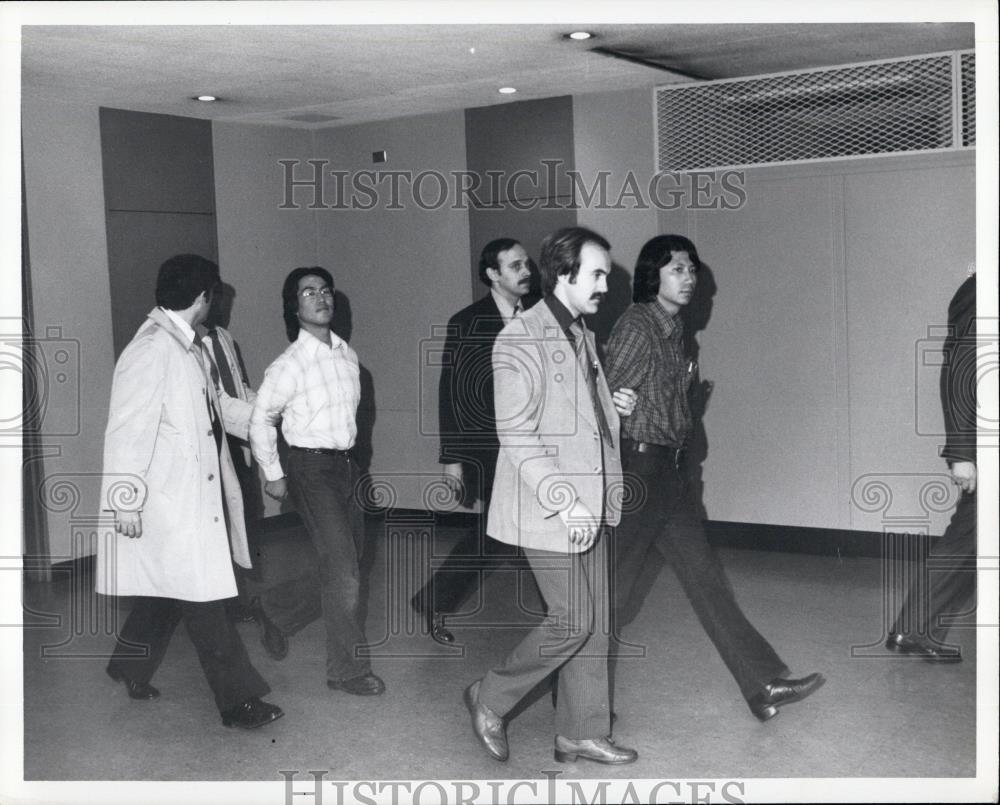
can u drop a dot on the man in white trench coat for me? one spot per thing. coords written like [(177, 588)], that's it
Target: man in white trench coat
[(169, 479)]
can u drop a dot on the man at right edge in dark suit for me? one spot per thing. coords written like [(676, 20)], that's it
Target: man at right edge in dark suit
[(467, 425), (919, 629)]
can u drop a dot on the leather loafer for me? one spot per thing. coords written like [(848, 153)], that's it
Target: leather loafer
[(364, 685), (488, 726), (597, 750), (904, 644), (779, 692), (439, 632), (136, 690), (251, 714), (272, 638)]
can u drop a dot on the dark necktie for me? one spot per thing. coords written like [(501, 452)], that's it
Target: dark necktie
[(221, 370), (204, 358), (588, 364)]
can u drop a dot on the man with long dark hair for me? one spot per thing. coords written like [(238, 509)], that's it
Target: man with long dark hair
[(314, 388), (646, 353)]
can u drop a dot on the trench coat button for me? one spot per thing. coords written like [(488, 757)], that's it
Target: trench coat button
[(208, 432), (211, 476), (216, 519)]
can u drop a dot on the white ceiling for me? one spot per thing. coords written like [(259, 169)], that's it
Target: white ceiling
[(357, 73)]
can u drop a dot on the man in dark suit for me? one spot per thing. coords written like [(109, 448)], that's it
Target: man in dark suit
[(919, 630), (468, 434)]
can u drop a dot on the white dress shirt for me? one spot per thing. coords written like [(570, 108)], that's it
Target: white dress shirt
[(507, 310), (314, 389)]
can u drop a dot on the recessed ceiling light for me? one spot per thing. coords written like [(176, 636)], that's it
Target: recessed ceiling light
[(580, 35), (507, 90), (205, 98)]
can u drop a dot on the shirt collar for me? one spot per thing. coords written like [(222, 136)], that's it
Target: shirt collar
[(308, 340), (563, 317), (182, 325), (504, 306), (673, 326)]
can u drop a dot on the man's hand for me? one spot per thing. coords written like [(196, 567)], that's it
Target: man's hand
[(582, 524), (963, 475), (451, 474), (625, 400), (128, 524), (276, 489)]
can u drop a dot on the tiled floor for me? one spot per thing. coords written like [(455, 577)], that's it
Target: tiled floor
[(876, 716)]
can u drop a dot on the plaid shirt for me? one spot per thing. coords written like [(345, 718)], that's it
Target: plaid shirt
[(314, 389), (646, 353)]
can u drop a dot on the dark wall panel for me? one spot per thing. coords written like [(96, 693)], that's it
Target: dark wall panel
[(138, 243), (157, 163), (521, 153), (159, 190)]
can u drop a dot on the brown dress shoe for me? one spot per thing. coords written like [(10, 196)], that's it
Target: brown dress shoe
[(364, 685), (598, 750), (488, 726)]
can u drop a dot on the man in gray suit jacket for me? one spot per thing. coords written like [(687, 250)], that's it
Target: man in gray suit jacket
[(558, 482)]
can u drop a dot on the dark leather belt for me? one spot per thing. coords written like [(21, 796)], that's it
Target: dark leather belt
[(675, 455), (321, 451)]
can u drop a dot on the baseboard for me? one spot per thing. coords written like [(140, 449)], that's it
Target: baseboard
[(721, 533)]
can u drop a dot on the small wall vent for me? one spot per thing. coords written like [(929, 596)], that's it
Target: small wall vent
[(878, 108)]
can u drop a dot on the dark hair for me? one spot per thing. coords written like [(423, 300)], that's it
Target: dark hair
[(654, 255), (182, 278), (561, 254), (490, 258), (290, 295)]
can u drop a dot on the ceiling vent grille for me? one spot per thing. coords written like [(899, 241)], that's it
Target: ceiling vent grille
[(878, 108)]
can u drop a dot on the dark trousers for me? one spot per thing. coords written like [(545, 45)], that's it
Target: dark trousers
[(146, 633), (951, 586), (323, 487), (476, 554), (664, 514), (571, 641), (469, 562)]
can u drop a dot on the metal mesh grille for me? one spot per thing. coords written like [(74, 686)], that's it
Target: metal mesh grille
[(968, 99), (877, 108)]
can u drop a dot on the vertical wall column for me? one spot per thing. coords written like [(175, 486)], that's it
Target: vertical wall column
[(520, 153), (159, 188)]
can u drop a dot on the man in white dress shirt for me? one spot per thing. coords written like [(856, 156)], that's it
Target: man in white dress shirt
[(314, 388)]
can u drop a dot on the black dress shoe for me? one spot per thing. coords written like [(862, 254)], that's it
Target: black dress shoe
[(488, 726), (364, 685), (272, 638), (439, 632), (251, 714), (136, 690), (597, 750), (904, 644), (779, 692)]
